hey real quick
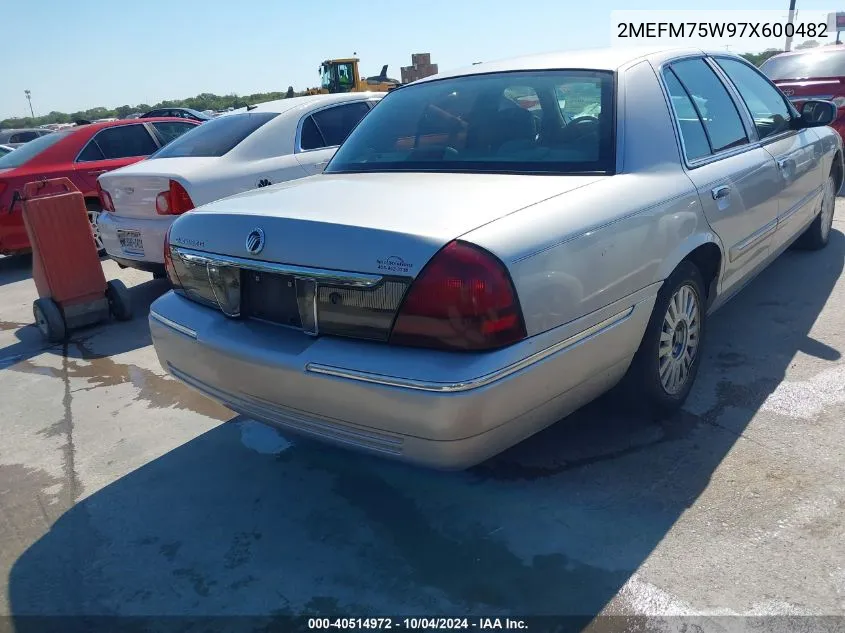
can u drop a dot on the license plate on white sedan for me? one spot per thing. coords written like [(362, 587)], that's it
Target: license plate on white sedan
[(131, 242)]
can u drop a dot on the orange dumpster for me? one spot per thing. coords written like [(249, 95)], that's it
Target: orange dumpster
[(72, 288)]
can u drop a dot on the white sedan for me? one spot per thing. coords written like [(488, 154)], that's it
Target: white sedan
[(251, 147)]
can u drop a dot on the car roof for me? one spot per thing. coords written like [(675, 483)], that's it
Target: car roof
[(283, 105), (608, 59), (104, 124), (15, 130)]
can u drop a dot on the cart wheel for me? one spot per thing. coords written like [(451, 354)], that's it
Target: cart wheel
[(120, 303), (49, 320)]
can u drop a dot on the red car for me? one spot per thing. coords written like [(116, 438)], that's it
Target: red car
[(815, 73), (80, 153)]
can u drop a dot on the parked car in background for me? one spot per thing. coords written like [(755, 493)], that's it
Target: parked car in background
[(17, 137), (815, 73), (459, 278), (182, 113), (5, 149), (80, 153), (270, 143)]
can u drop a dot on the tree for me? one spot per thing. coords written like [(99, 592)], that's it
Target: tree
[(759, 58), (807, 44), (204, 101)]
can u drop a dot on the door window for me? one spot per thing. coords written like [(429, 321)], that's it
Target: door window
[(125, 141), (716, 109), (169, 130), (335, 124), (690, 126), (768, 108)]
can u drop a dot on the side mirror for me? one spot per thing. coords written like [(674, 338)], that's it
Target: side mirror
[(816, 112)]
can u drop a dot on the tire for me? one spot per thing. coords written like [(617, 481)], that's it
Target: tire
[(120, 303), (49, 319), (661, 377), (817, 234), (94, 210)]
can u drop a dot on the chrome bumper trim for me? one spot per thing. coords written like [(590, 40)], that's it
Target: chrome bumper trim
[(473, 383), (173, 325)]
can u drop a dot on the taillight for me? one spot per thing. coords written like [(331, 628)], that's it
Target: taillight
[(174, 201), (463, 299), (105, 198)]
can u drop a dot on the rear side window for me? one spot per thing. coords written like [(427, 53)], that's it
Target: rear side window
[(29, 151), (336, 123), (689, 123), (171, 130), (215, 137), (23, 137), (311, 137), (716, 109), (124, 141)]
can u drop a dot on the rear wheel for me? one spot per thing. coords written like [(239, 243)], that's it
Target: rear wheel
[(49, 319), (666, 363), (817, 234), (120, 303), (94, 210)]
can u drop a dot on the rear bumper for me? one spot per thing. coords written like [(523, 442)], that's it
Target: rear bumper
[(438, 409), (152, 233)]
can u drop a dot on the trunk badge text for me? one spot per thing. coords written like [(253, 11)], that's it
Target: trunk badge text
[(255, 241)]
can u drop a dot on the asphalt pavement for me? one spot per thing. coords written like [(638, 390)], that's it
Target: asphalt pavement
[(122, 492)]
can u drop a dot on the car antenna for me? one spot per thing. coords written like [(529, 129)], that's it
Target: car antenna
[(250, 107)]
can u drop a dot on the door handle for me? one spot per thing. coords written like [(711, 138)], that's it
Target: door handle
[(782, 164), (97, 172), (720, 192)]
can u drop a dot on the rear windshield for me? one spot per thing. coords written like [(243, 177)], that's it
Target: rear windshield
[(215, 137), (30, 150), (815, 64), (518, 122)]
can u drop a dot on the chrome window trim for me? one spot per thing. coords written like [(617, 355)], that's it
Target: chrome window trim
[(322, 275), (480, 381), (297, 143), (178, 327)]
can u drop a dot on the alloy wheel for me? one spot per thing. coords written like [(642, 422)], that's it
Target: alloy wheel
[(679, 339)]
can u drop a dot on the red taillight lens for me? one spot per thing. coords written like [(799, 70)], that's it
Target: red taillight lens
[(105, 198), (174, 201), (463, 299)]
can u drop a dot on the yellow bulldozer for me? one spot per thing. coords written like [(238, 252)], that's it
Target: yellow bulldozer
[(341, 75)]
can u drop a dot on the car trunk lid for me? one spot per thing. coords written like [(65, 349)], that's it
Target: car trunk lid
[(800, 90), (133, 189), (379, 223)]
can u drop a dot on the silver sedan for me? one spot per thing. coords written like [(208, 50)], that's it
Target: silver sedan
[(490, 249)]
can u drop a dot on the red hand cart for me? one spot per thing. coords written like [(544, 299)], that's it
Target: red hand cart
[(72, 288)]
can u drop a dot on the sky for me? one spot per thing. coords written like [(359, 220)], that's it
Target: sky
[(85, 53)]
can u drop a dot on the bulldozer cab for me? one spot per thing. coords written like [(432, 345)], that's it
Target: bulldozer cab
[(339, 75)]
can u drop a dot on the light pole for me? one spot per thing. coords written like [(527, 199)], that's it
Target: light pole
[(788, 46), (29, 98)]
